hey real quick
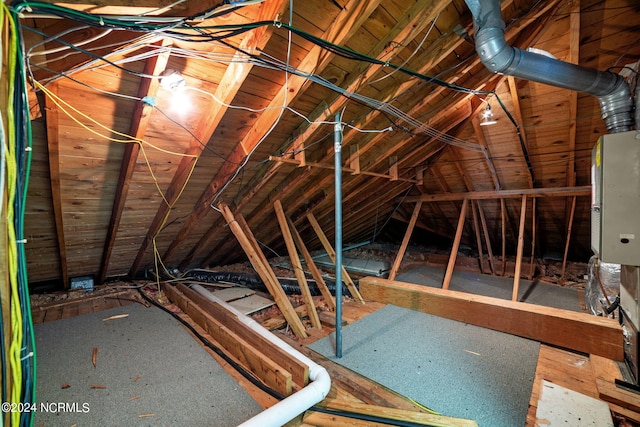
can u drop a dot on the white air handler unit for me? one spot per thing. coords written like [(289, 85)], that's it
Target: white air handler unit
[(615, 225)]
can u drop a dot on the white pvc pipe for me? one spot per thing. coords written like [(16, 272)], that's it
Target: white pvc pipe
[(287, 409)]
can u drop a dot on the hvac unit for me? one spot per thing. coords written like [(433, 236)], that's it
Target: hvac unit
[(615, 207), (615, 226)]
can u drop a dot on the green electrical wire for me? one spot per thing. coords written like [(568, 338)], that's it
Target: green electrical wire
[(26, 306), (16, 315)]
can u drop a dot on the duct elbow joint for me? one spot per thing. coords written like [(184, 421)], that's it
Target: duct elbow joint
[(494, 51), (617, 107)]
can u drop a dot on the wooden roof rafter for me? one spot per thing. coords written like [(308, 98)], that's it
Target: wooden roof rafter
[(229, 86), (139, 122), (56, 191), (393, 147), (349, 20), (357, 81)]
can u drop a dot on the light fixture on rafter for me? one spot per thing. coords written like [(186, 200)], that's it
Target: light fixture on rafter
[(171, 80), (487, 117)]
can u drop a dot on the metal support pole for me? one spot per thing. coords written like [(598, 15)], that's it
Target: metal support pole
[(337, 145)]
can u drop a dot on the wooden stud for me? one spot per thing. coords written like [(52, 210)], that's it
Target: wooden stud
[(260, 264), (516, 278), (503, 224), (405, 241), (487, 238), (568, 240), (297, 265), (533, 239), (311, 265), (569, 329), (456, 245), (476, 227), (332, 255)]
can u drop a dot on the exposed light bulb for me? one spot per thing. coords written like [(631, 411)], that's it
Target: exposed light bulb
[(487, 117), (171, 80)]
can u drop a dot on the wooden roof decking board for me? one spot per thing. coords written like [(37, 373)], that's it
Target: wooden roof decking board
[(394, 31)]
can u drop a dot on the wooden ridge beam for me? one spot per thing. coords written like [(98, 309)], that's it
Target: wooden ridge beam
[(577, 331), (503, 194)]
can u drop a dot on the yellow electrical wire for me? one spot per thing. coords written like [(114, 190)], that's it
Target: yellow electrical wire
[(12, 250), (59, 102), (156, 254), (129, 139)]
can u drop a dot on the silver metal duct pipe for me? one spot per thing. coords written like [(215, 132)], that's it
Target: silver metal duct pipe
[(610, 88)]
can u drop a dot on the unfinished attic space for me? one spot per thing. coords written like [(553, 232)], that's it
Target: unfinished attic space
[(320, 213)]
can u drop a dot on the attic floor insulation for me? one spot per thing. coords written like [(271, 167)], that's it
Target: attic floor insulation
[(148, 371), (457, 369)]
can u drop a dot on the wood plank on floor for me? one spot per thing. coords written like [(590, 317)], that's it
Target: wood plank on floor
[(230, 294)]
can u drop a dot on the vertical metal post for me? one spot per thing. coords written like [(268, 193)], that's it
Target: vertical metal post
[(337, 145)]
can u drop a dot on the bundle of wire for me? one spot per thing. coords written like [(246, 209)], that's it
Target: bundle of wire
[(19, 359)]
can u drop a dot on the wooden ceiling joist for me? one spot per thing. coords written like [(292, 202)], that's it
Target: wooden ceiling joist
[(503, 194)]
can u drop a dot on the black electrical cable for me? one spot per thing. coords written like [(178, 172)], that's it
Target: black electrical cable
[(250, 377)]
